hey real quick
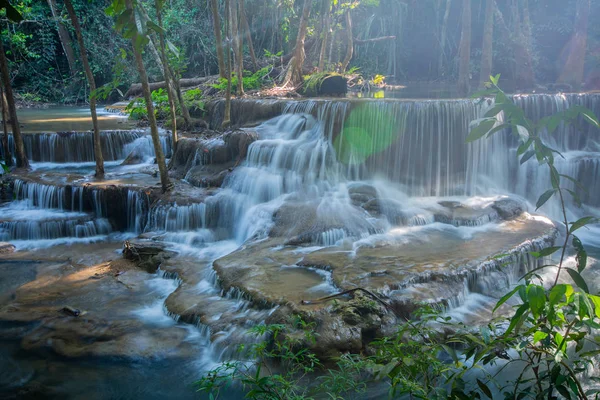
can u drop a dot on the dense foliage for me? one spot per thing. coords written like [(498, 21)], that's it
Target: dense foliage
[(404, 40)]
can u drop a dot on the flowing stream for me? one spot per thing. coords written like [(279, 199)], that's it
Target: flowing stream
[(350, 175)]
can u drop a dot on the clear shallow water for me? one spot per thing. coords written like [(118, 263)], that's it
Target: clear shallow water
[(66, 119)]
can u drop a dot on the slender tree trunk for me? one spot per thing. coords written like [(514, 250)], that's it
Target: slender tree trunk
[(160, 156), (63, 35), (167, 75), (573, 69), (465, 50), (248, 34), (218, 38), (22, 161), (237, 46), (91, 82), (443, 38), (488, 36), (7, 154), (325, 34), (227, 113), (294, 74), (350, 40)]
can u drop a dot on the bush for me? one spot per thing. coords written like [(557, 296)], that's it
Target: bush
[(252, 81)]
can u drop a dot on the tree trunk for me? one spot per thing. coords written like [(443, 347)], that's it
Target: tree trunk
[(218, 38), (443, 38), (167, 75), (237, 47), (90, 78), (248, 34), (160, 157), (486, 48), (7, 154), (63, 35), (465, 50), (572, 71), (22, 161), (524, 77), (294, 73), (325, 34), (227, 112), (350, 40)]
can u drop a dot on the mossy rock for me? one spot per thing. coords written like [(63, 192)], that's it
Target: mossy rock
[(325, 84)]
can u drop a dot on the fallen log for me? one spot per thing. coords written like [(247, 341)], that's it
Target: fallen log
[(136, 88)]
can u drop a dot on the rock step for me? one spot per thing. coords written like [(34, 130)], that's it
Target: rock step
[(78, 227)]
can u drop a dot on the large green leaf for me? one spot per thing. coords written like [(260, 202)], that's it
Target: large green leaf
[(580, 223), (578, 279), (481, 129), (505, 298), (544, 198)]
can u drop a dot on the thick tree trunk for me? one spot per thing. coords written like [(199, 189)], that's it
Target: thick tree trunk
[(227, 112), (214, 7), (237, 46), (443, 38), (166, 74), (350, 42), (248, 34), (465, 50), (160, 156), (573, 69), (22, 161), (294, 74), (486, 48), (63, 35), (6, 148), (90, 78)]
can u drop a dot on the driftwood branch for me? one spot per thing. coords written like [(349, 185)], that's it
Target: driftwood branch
[(333, 296)]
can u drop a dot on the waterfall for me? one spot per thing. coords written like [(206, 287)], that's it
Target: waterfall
[(71, 147)]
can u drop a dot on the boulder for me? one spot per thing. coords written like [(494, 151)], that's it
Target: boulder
[(238, 141), (208, 175), (361, 193), (6, 248), (148, 256), (325, 85), (509, 208)]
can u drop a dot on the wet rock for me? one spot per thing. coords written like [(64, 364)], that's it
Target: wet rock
[(293, 219), (509, 208), (238, 141), (135, 157), (74, 312), (361, 193), (147, 256), (208, 175), (458, 214), (389, 208), (6, 248)]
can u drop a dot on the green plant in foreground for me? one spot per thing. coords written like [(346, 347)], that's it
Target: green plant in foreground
[(552, 329), (136, 109), (548, 342)]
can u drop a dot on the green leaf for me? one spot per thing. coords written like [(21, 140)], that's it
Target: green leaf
[(527, 156), (154, 27), (578, 279), (583, 222), (516, 319), (480, 130), (554, 177), (581, 256), (545, 252), (536, 295), (557, 293), (524, 146), (544, 198), (495, 79), (507, 296), (12, 13), (497, 109), (539, 336), (596, 301), (553, 123), (486, 390)]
